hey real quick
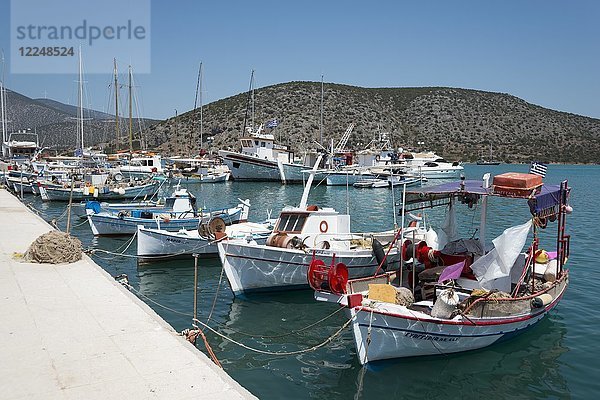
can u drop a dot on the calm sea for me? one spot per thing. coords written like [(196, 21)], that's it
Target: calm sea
[(557, 359)]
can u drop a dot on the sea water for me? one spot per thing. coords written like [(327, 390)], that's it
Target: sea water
[(558, 358)]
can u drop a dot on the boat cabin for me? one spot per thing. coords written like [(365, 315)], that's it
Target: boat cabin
[(312, 227), (263, 146)]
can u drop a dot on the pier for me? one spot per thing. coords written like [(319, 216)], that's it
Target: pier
[(70, 331)]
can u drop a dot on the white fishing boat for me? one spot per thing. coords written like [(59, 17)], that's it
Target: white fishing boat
[(301, 234), (83, 191), (260, 158), (142, 167), (160, 243), (469, 293), (372, 183), (179, 212)]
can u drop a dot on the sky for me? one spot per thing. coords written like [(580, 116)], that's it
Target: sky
[(545, 52)]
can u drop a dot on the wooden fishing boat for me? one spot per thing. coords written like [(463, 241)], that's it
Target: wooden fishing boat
[(301, 234), (454, 294)]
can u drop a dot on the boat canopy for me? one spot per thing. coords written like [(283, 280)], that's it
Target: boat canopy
[(542, 202)]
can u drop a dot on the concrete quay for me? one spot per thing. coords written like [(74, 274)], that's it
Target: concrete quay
[(70, 331)]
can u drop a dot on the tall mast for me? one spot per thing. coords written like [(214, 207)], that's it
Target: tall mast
[(3, 101), (198, 91), (81, 101), (321, 122), (130, 115), (250, 97), (116, 103), (252, 87), (201, 126)]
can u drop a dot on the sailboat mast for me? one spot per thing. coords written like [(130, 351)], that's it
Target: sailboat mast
[(130, 115), (201, 125), (3, 101), (250, 91), (116, 103), (321, 119), (81, 101), (198, 91), (252, 86)]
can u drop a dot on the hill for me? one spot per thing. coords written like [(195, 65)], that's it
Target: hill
[(56, 122), (456, 123)]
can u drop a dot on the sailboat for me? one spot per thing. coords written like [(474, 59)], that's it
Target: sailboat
[(96, 186), (489, 161)]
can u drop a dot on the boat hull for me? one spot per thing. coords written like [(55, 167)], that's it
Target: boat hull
[(247, 168), (380, 334), (251, 268), (154, 244), (60, 194), (105, 225)]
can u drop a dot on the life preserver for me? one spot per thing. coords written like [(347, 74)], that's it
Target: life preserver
[(323, 226)]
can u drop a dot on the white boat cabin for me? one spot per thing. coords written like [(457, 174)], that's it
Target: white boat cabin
[(262, 145), (144, 164), (315, 227)]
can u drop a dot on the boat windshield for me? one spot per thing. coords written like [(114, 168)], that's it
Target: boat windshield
[(290, 223)]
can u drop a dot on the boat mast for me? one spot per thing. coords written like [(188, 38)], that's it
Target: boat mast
[(201, 126), (252, 86), (80, 92), (321, 119), (198, 91), (130, 115), (3, 102), (250, 90), (116, 103)]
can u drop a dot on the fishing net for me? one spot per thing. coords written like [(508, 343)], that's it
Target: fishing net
[(54, 248)]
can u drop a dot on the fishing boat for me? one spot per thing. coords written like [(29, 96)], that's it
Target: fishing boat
[(301, 234), (83, 191), (260, 157), (179, 212), (372, 183), (460, 294), (160, 243)]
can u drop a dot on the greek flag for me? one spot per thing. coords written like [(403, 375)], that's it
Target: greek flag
[(538, 168), (272, 123)]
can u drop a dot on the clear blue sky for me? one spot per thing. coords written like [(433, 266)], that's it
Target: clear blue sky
[(545, 52)]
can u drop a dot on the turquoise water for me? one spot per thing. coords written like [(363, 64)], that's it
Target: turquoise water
[(557, 359)]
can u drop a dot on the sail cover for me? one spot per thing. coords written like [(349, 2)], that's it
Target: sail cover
[(493, 269)]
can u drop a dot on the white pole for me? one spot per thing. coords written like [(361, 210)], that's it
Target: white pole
[(313, 171), (483, 218)]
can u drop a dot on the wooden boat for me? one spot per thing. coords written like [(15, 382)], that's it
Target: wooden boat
[(301, 234), (158, 243), (468, 295), (178, 213)]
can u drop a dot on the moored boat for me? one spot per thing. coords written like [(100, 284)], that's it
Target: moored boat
[(182, 213), (468, 295), (301, 234), (160, 243)]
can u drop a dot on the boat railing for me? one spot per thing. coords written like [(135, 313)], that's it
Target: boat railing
[(493, 307)]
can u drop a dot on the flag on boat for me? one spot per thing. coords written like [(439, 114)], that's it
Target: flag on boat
[(272, 123), (538, 168)]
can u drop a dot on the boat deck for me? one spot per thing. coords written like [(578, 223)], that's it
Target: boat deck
[(70, 331)]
